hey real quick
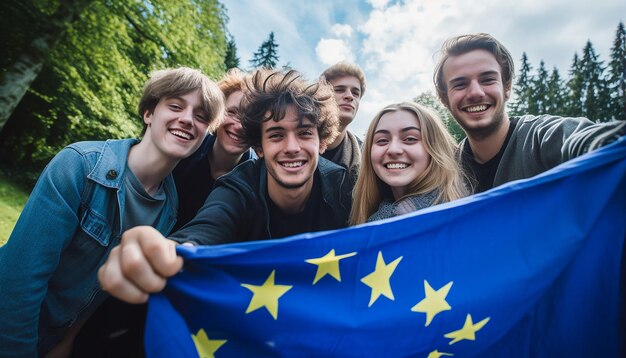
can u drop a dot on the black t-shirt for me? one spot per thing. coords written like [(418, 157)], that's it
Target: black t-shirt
[(334, 154), (193, 182), (484, 174), (284, 224)]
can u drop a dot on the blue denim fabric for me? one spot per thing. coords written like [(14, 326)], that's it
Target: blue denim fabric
[(48, 268)]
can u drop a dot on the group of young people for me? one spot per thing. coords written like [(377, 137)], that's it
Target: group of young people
[(105, 217)]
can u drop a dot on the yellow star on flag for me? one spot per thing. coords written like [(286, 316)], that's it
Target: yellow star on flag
[(434, 302), (266, 295), (468, 331), (206, 347), (328, 265), (379, 279), (437, 354)]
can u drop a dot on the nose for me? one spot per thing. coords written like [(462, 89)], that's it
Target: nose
[(347, 95), (395, 147), (292, 145), (475, 89), (186, 116)]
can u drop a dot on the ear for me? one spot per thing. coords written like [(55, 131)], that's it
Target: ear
[(323, 147), (147, 117), (259, 151), (507, 93)]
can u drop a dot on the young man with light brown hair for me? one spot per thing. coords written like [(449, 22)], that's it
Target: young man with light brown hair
[(348, 82), (474, 79)]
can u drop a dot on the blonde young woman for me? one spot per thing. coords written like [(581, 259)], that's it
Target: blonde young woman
[(408, 164)]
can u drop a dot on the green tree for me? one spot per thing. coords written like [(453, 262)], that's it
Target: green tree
[(429, 100), (539, 91), (595, 93), (45, 27), (90, 85), (617, 74), (522, 89), (575, 89), (555, 102), (231, 60), (267, 54)]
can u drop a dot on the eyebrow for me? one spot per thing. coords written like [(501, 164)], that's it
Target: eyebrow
[(341, 87), (406, 129), (482, 74), (279, 128)]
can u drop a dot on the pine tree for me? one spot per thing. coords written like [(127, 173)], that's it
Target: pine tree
[(539, 91), (555, 98), (522, 89), (617, 74), (267, 54), (575, 87), (595, 93), (231, 60)]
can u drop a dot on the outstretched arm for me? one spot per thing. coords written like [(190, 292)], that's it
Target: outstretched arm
[(140, 265)]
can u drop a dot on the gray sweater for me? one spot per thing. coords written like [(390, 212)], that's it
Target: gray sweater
[(539, 143)]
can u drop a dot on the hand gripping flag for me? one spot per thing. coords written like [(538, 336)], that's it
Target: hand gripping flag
[(528, 269)]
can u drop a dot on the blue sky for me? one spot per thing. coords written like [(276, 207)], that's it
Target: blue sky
[(395, 41)]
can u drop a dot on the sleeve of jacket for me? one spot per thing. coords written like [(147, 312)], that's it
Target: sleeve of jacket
[(32, 253), (593, 137), (220, 220)]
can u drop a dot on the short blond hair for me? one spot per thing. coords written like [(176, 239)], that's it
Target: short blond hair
[(177, 82), (344, 69)]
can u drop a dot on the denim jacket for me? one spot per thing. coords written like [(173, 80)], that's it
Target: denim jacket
[(72, 220)]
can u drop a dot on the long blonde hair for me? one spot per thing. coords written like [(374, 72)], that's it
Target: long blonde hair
[(443, 173)]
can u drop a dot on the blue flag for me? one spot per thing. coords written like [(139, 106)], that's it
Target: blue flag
[(528, 269)]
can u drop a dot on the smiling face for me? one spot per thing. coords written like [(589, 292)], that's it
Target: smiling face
[(476, 95), (348, 95), (398, 155), (290, 151), (230, 132), (177, 125)]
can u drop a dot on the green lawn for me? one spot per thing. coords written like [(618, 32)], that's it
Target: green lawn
[(12, 200)]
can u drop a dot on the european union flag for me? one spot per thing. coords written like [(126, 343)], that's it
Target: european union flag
[(529, 269)]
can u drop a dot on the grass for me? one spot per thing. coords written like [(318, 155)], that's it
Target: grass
[(12, 200)]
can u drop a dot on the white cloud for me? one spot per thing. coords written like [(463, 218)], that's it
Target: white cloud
[(331, 51), (342, 30), (395, 41), (378, 4)]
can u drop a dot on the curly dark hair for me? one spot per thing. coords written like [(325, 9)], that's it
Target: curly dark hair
[(269, 94)]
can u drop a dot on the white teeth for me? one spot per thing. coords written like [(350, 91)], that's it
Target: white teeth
[(396, 165), (180, 134), (233, 137), (293, 164), (479, 108)]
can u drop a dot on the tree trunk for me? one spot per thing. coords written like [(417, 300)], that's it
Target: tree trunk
[(20, 75)]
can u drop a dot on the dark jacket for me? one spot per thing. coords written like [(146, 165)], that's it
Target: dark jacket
[(236, 210), (194, 182)]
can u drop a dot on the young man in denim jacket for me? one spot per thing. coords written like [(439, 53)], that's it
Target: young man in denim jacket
[(86, 197), (289, 190)]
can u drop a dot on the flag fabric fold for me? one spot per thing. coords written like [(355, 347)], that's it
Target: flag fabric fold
[(528, 269)]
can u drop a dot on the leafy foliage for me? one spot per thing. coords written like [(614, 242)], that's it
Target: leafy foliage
[(429, 100), (90, 84)]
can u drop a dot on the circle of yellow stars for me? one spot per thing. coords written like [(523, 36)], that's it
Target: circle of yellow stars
[(267, 295)]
